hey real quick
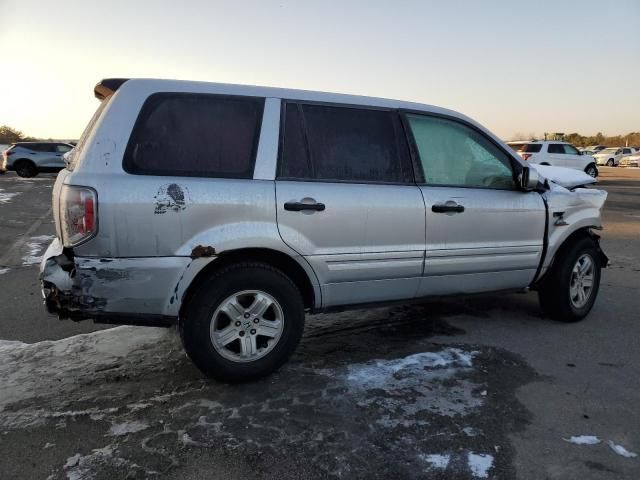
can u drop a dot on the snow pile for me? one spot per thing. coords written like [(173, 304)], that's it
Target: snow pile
[(56, 368), (35, 248), (620, 450), (583, 440), (3, 271), (478, 464)]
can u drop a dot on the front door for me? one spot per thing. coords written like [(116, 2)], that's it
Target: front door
[(482, 234), (347, 202)]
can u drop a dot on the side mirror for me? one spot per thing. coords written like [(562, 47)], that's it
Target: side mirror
[(528, 179)]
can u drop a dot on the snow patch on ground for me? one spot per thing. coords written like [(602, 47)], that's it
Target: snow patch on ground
[(413, 386), (583, 440), (125, 428), (620, 450), (437, 460), (35, 249), (6, 197), (480, 464), (3, 271)]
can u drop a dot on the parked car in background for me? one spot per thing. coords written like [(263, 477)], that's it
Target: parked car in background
[(632, 160), (611, 156), (557, 154), (264, 203), (28, 159), (596, 148)]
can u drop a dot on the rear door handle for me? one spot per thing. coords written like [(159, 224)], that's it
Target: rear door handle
[(299, 206), (449, 207)]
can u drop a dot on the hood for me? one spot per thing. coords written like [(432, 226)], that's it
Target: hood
[(565, 177)]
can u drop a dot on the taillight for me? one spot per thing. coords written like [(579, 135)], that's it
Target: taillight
[(525, 156), (78, 214)]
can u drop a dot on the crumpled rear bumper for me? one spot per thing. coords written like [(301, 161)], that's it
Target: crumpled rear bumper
[(132, 291)]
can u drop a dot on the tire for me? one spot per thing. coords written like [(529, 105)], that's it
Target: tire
[(25, 168), (611, 163), (591, 170), (559, 294), (235, 289)]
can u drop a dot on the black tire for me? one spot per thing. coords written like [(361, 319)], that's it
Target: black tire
[(611, 163), (196, 324), (555, 292), (25, 168), (591, 170)]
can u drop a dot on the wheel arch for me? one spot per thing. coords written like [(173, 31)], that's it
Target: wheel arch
[(303, 278), (573, 237)]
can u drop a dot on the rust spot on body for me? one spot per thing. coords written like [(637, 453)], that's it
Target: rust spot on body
[(203, 251)]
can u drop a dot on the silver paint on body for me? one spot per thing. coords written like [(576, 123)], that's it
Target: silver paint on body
[(371, 243)]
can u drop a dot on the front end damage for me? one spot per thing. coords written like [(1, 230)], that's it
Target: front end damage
[(572, 209), (132, 291)]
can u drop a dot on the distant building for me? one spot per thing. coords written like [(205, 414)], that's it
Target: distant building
[(557, 136)]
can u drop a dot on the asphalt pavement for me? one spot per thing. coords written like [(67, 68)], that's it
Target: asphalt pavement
[(483, 387)]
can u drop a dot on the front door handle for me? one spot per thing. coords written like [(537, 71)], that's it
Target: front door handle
[(448, 207), (299, 206)]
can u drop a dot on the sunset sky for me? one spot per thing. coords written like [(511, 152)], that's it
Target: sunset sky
[(517, 66)]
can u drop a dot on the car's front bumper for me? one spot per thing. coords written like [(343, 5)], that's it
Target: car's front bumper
[(138, 291)]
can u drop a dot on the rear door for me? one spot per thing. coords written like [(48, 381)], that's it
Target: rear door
[(556, 155), (347, 201), (482, 233)]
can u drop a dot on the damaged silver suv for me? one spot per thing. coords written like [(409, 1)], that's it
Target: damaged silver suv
[(231, 210)]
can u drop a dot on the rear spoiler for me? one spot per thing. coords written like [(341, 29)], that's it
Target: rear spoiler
[(107, 87)]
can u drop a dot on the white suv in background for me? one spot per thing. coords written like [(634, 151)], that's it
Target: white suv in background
[(611, 156), (557, 154)]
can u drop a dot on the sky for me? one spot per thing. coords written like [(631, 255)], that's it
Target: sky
[(517, 67)]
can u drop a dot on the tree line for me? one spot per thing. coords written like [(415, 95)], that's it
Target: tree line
[(631, 139), (12, 135)]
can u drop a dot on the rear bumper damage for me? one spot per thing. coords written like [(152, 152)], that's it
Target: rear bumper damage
[(132, 291)]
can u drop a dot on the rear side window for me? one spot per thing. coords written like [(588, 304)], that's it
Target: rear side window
[(195, 135), (344, 144), (556, 148), (62, 148)]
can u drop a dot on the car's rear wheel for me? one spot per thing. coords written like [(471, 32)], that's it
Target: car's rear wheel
[(243, 323), (571, 287), (25, 168), (591, 170), (610, 162)]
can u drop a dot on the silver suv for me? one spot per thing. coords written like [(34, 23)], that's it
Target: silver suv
[(28, 159), (230, 211)]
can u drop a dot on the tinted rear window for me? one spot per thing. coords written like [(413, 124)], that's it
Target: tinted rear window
[(335, 143), (527, 147), (195, 135), (556, 148)]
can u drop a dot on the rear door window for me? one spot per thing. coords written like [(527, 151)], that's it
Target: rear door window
[(198, 135), (343, 144), (556, 148)]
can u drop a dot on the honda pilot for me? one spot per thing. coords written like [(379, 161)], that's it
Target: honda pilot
[(232, 211)]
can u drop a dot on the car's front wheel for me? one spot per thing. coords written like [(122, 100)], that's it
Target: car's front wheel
[(610, 162), (591, 170), (243, 323), (570, 289)]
